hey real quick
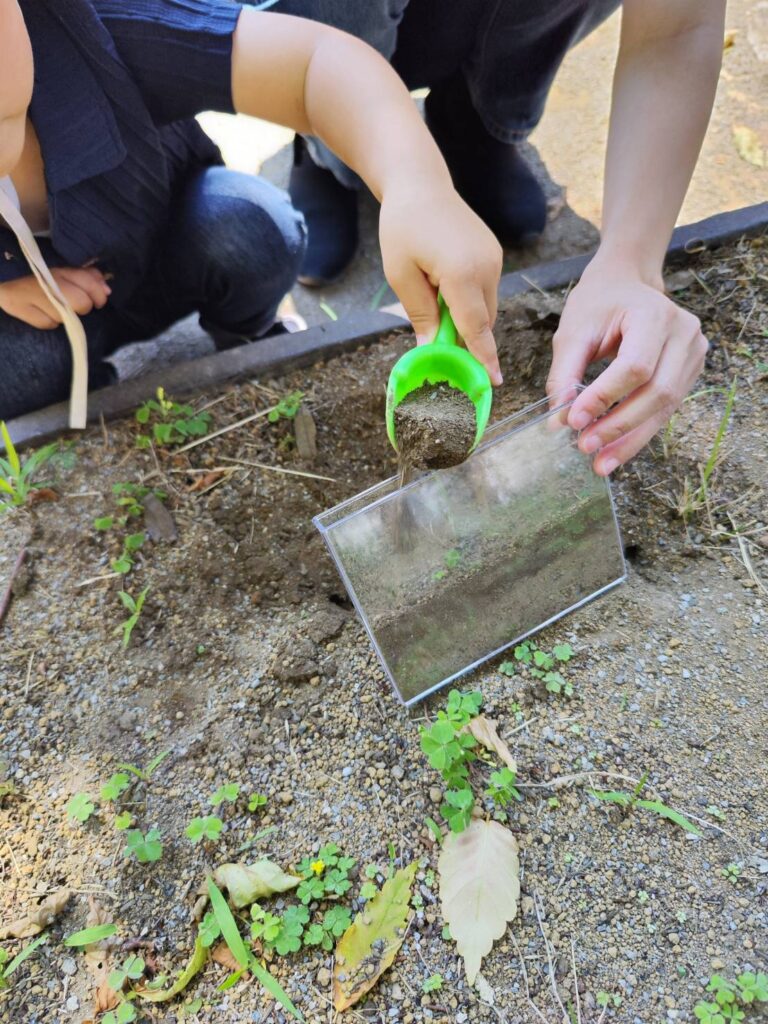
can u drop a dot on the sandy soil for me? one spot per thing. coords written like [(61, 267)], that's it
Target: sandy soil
[(248, 666)]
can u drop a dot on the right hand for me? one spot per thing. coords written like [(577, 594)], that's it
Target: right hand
[(430, 240), (85, 288)]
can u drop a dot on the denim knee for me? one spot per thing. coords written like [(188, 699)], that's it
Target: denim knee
[(247, 243)]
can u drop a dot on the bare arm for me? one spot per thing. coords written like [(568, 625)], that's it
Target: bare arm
[(333, 86), (664, 88)]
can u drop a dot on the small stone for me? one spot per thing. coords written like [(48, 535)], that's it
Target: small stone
[(324, 977), (435, 794), (69, 966), (73, 1004), (398, 772), (674, 938), (286, 797)]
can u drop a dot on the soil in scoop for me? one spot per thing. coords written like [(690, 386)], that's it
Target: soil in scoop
[(435, 427)]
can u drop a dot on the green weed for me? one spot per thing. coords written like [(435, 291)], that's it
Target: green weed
[(170, 423), (287, 407), (530, 660), (145, 848), (229, 792), (432, 984), (9, 964), (208, 828), (134, 607), (17, 476), (733, 999), (629, 801)]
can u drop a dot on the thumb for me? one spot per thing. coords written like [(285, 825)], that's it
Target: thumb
[(419, 300)]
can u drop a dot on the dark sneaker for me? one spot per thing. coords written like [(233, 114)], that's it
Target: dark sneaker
[(490, 176), (330, 212)]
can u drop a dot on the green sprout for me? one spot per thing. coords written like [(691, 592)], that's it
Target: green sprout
[(17, 478)]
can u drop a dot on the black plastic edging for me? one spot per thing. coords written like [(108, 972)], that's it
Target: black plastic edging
[(278, 355)]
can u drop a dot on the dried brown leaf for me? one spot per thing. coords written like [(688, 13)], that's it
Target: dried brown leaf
[(222, 954), (38, 918), (485, 732), (479, 888), (98, 960), (206, 480), (42, 494)]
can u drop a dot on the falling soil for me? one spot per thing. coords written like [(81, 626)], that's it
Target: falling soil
[(435, 427)]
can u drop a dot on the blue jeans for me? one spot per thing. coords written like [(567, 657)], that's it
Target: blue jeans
[(508, 51), (231, 250)]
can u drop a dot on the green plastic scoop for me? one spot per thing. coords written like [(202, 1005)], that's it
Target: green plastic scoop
[(442, 360)]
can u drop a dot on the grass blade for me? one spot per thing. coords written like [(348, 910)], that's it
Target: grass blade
[(611, 796), (10, 449), (244, 957), (89, 935), (19, 959), (668, 812)]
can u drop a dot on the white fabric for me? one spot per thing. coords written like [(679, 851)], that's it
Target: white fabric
[(11, 214)]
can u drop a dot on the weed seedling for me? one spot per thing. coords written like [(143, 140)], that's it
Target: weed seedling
[(733, 999), (255, 801), (229, 792), (134, 606), (169, 423), (204, 828), (530, 660), (116, 785), (124, 1013), (145, 848), (608, 999), (17, 477), (80, 807), (131, 969), (432, 984), (287, 407), (731, 873), (145, 774), (629, 801)]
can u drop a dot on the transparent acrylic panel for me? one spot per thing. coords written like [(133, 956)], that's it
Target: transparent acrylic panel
[(451, 569)]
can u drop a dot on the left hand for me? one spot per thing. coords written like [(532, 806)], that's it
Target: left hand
[(657, 351)]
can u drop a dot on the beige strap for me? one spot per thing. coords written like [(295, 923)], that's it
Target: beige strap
[(78, 400)]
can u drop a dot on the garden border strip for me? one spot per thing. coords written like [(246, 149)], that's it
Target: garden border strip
[(283, 353)]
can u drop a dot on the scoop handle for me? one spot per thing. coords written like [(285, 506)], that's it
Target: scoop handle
[(446, 332)]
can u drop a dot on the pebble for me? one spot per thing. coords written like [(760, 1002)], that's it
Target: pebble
[(286, 797), (68, 966), (73, 1004), (324, 977), (435, 794), (398, 772)]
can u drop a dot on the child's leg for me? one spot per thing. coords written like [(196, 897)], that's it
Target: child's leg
[(231, 251)]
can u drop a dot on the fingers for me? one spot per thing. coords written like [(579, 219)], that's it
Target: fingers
[(571, 355), (643, 336), (621, 451), (680, 364), (88, 280), (419, 300), (474, 320)]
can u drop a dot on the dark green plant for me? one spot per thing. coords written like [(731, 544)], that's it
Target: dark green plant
[(170, 423)]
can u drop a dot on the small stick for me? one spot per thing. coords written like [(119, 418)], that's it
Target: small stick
[(224, 430), (6, 599), (279, 469), (29, 674)]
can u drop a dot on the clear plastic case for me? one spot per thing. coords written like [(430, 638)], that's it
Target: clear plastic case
[(456, 566)]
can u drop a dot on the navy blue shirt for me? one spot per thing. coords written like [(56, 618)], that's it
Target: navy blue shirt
[(117, 85)]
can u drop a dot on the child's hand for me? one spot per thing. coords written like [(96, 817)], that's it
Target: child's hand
[(657, 350), (430, 241), (84, 287)]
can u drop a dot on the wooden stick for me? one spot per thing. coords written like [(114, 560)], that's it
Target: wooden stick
[(279, 469), (6, 599), (224, 430)]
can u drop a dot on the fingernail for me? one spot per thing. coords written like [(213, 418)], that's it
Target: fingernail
[(496, 379), (609, 465), (580, 420), (591, 444), (422, 339)]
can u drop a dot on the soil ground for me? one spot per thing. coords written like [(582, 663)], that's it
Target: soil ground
[(247, 666)]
